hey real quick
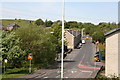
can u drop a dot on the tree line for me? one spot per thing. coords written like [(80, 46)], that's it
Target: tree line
[(43, 40)]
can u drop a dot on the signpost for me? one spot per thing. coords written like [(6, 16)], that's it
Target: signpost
[(30, 57)]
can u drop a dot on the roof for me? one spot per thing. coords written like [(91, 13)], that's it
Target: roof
[(112, 31), (74, 32), (13, 25), (1, 26)]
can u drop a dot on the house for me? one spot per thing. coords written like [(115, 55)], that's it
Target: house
[(11, 27), (112, 65), (73, 37), (1, 26)]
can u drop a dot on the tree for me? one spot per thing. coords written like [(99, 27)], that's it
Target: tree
[(48, 23), (57, 29), (39, 22), (71, 24), (98, 36), (40, 43), (11, 50)]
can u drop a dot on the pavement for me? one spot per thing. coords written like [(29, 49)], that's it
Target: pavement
[(77, 64)]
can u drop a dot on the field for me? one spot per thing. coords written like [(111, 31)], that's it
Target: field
[(21, 23)]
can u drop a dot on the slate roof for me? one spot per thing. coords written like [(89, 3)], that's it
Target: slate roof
[(13, 25), (74, 32), (112, 31)]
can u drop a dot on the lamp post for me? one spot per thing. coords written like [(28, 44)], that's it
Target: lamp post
[(51, 32), (5, 62), (63, 10), (82, 33)]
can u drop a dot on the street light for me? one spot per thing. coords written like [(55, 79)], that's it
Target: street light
[(63, 10), (82, 33), (5, 62), (51, 32)]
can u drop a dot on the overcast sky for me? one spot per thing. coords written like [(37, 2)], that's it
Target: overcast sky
[(94, 12)]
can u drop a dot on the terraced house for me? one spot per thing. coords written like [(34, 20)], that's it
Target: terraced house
[(112, 65), (73, 37)]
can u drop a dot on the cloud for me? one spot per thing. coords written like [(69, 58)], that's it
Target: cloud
[(31, 0), (59, 0)]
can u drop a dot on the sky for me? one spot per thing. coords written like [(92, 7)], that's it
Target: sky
[(93, 12)]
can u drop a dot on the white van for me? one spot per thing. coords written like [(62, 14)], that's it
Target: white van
[(83, 41)]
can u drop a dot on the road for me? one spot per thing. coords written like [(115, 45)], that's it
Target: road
[(83, 65), (78, 64)]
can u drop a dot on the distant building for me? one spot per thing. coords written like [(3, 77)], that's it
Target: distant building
[(11, 27), (1, 26), (112, 65), (72, 37)]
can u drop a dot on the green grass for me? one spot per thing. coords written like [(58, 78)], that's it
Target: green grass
[(14, 73), (21, 23)]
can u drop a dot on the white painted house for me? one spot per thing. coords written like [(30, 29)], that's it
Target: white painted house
[(112, 64)]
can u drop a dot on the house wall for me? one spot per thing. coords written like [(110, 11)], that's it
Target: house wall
[(119, 53), (70, 40), (9, 28), (77, 40), (111, 65)]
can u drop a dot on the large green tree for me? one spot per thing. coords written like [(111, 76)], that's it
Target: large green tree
[(57, 29), (11, 49), (48, 23), (40, 43), (39, 22)]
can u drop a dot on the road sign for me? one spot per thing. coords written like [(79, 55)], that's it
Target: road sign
[(30, 56)]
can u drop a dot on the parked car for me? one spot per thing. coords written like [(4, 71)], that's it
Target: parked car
[(79, 46), (97, 59)]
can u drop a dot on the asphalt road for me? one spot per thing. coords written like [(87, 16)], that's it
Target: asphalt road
[(83, 66), (77, 64)]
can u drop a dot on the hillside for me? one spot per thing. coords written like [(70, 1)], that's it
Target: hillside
[(22, 23)]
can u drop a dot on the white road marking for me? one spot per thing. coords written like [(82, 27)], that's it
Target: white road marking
[(86, 71), (82, 59), (91, 73), (75, 71), (72, 71), (58, 71), (46, 77)]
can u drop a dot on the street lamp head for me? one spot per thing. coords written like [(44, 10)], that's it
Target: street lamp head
[(51, 32), (5, 60)]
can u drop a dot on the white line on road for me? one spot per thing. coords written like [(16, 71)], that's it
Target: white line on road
[(82, 58), (86, 71), (46, 77)]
